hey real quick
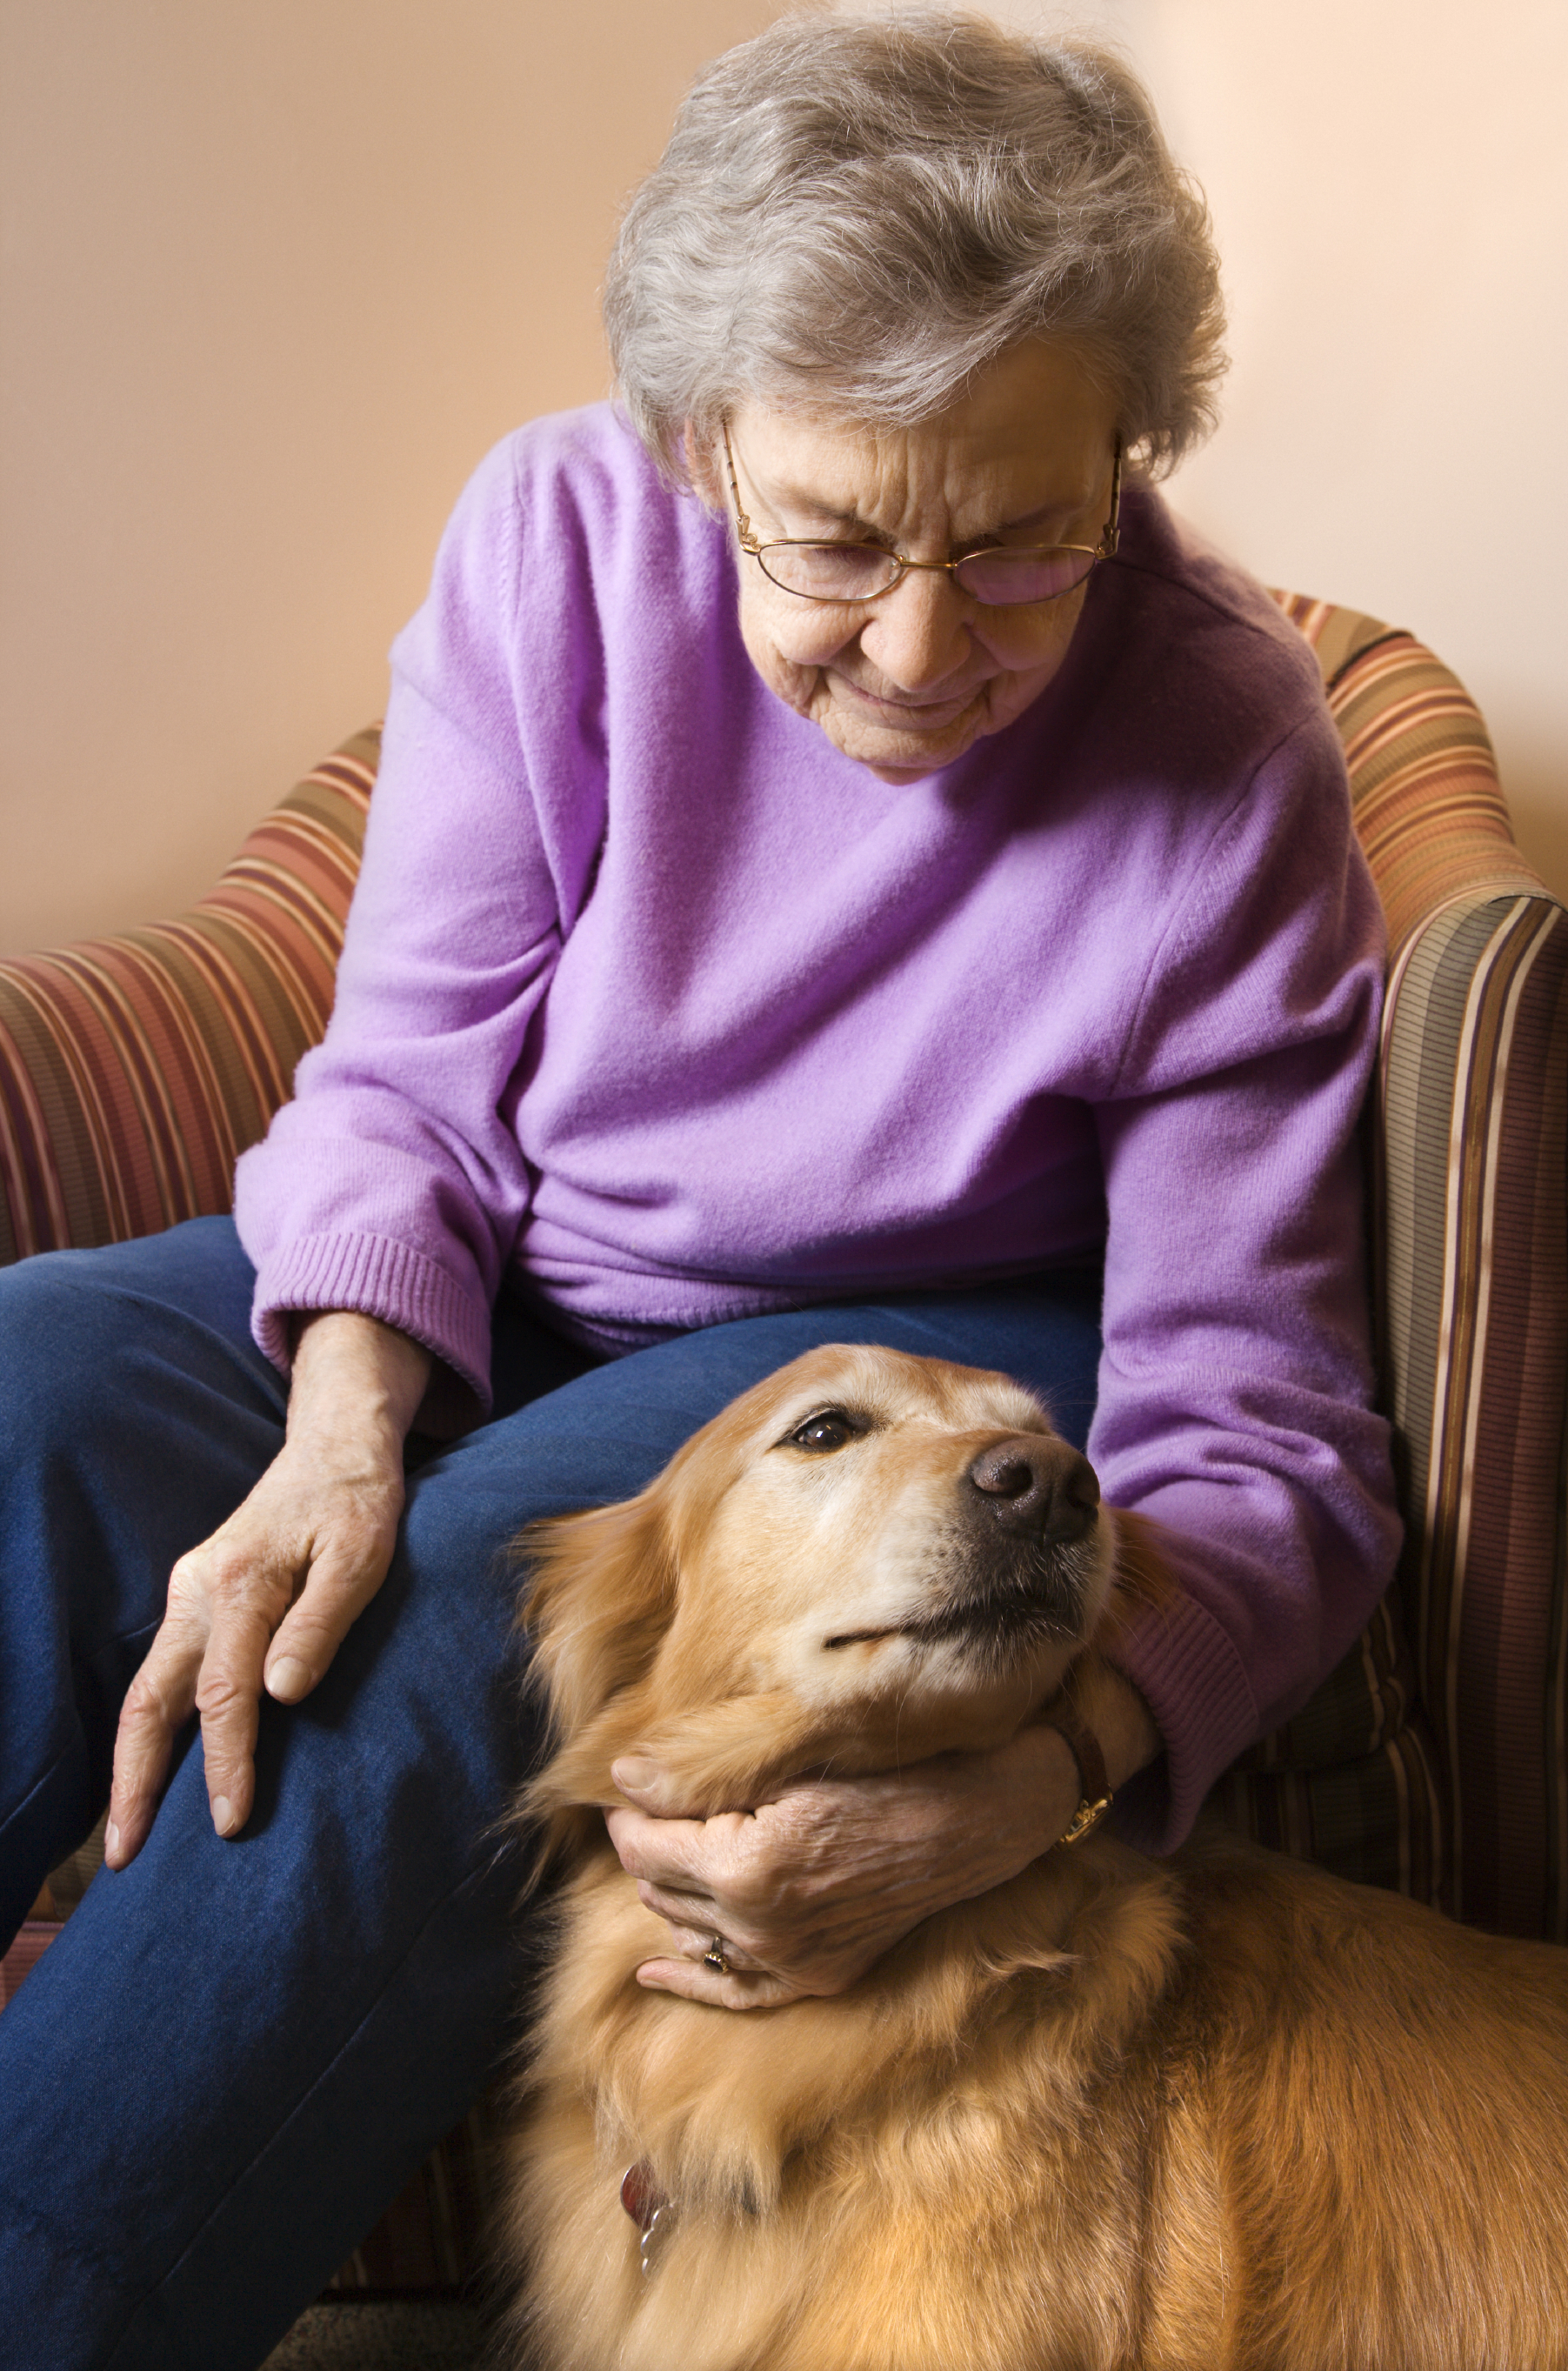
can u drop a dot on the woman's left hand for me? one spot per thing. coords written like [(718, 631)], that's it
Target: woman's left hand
[(807, 1891)]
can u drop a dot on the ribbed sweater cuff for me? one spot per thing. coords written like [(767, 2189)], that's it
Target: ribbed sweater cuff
[(1192, 1678), (376, 1278)]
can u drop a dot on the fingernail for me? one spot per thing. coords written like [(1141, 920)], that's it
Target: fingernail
[(288, 1679), (111, 1838), (634, 1773), (223, 1815)]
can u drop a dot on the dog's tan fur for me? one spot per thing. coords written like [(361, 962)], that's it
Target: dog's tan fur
[(1218, 2112)]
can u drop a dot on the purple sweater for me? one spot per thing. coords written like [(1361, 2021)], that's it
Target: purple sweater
[(657, 1003)]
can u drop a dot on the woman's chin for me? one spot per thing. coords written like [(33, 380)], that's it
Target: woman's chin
[(895, 752)]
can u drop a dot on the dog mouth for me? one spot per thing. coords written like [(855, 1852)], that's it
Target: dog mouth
[(1036, 1600)]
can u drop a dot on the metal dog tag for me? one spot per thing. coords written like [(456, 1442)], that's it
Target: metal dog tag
[(652, 2213), (660, 2225)]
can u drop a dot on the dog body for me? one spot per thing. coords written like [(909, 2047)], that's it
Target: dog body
[(1220, 2110)]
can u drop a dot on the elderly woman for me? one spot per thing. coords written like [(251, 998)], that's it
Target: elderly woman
[(847, 865)]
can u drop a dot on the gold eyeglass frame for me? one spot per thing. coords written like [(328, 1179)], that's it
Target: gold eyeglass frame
[(753, 545)]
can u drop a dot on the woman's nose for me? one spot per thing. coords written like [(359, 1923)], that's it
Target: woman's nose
[(918, 633)]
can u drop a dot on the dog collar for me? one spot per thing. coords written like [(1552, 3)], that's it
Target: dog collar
[(1095, 1796)]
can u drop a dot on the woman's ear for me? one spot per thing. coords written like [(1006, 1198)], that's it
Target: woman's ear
[(704, 474), (598, 1599)]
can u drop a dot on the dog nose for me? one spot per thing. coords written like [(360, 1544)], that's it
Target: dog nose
[(1038, 1487)]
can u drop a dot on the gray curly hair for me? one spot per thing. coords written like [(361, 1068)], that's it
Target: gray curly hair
[(858, 212)]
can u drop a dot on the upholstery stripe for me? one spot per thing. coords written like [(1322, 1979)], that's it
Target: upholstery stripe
[(1471, 1179), (1475, 1291), (133, 1070), (33, 1177), (1429, 809), (1376, 1820), (1555, 1922), (31, 1941), (1510, 1547)]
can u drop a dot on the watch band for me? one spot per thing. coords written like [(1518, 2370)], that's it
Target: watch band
[(1094, 1786)]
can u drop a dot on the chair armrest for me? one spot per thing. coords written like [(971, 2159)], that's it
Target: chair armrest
[(1472, 1223), (1435, 1766), (136, 1070), (1470, 1258), (1429, 809)]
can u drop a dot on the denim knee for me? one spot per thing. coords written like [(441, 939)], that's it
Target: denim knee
[(83, 1331)]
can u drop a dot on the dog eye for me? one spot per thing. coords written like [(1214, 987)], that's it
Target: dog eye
[(829, 1428)]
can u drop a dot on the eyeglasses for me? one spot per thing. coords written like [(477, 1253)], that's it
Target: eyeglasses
[(1001, 579)]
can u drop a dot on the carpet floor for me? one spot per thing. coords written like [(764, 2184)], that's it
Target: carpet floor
[(351, 2337)]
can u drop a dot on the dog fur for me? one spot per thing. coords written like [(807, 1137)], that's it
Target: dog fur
[(1219, 2110)]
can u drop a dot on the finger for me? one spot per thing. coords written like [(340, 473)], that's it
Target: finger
[(158, 1701), (700, 1912), (676, 1852), (338, 1589), (642, 1840), (691, 1981), (227, 1694), (695, 1942), (641, 1780)]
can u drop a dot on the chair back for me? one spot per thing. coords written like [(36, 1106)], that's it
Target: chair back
[(1470, 1267)]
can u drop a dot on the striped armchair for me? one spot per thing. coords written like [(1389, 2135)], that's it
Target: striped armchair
[(133, 1070), (1433, 1760)]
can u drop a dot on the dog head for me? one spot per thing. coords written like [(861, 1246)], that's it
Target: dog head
[(866, 1559)]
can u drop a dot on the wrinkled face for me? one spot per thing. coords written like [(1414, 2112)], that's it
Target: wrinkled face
[(908, 682), (868, 1526)]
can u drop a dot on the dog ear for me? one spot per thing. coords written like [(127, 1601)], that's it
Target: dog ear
[(1141, 1577), (599, 1597)]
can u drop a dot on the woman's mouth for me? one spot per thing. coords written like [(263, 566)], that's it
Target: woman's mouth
[(910, 715)]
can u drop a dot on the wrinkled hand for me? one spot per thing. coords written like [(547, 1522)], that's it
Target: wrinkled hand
[(808, 1890), (272, 1594)]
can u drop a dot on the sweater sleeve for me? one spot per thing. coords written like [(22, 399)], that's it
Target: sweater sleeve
[(392, 1184), (1235, 1400)]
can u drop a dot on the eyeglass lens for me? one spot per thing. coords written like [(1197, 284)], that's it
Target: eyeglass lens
[(858, 571)]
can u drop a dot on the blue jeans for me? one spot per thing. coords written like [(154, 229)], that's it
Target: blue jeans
[(237, 2053)]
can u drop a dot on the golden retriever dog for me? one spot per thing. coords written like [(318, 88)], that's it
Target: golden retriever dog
[(1219, 2110)]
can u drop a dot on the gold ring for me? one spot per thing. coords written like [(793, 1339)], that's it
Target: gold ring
[(716, 1958)]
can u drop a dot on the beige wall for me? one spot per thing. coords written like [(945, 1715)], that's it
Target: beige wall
[(1390, 185), (274, 276)]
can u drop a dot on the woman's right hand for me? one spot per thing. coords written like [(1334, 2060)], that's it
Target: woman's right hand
[(269, 1599)]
